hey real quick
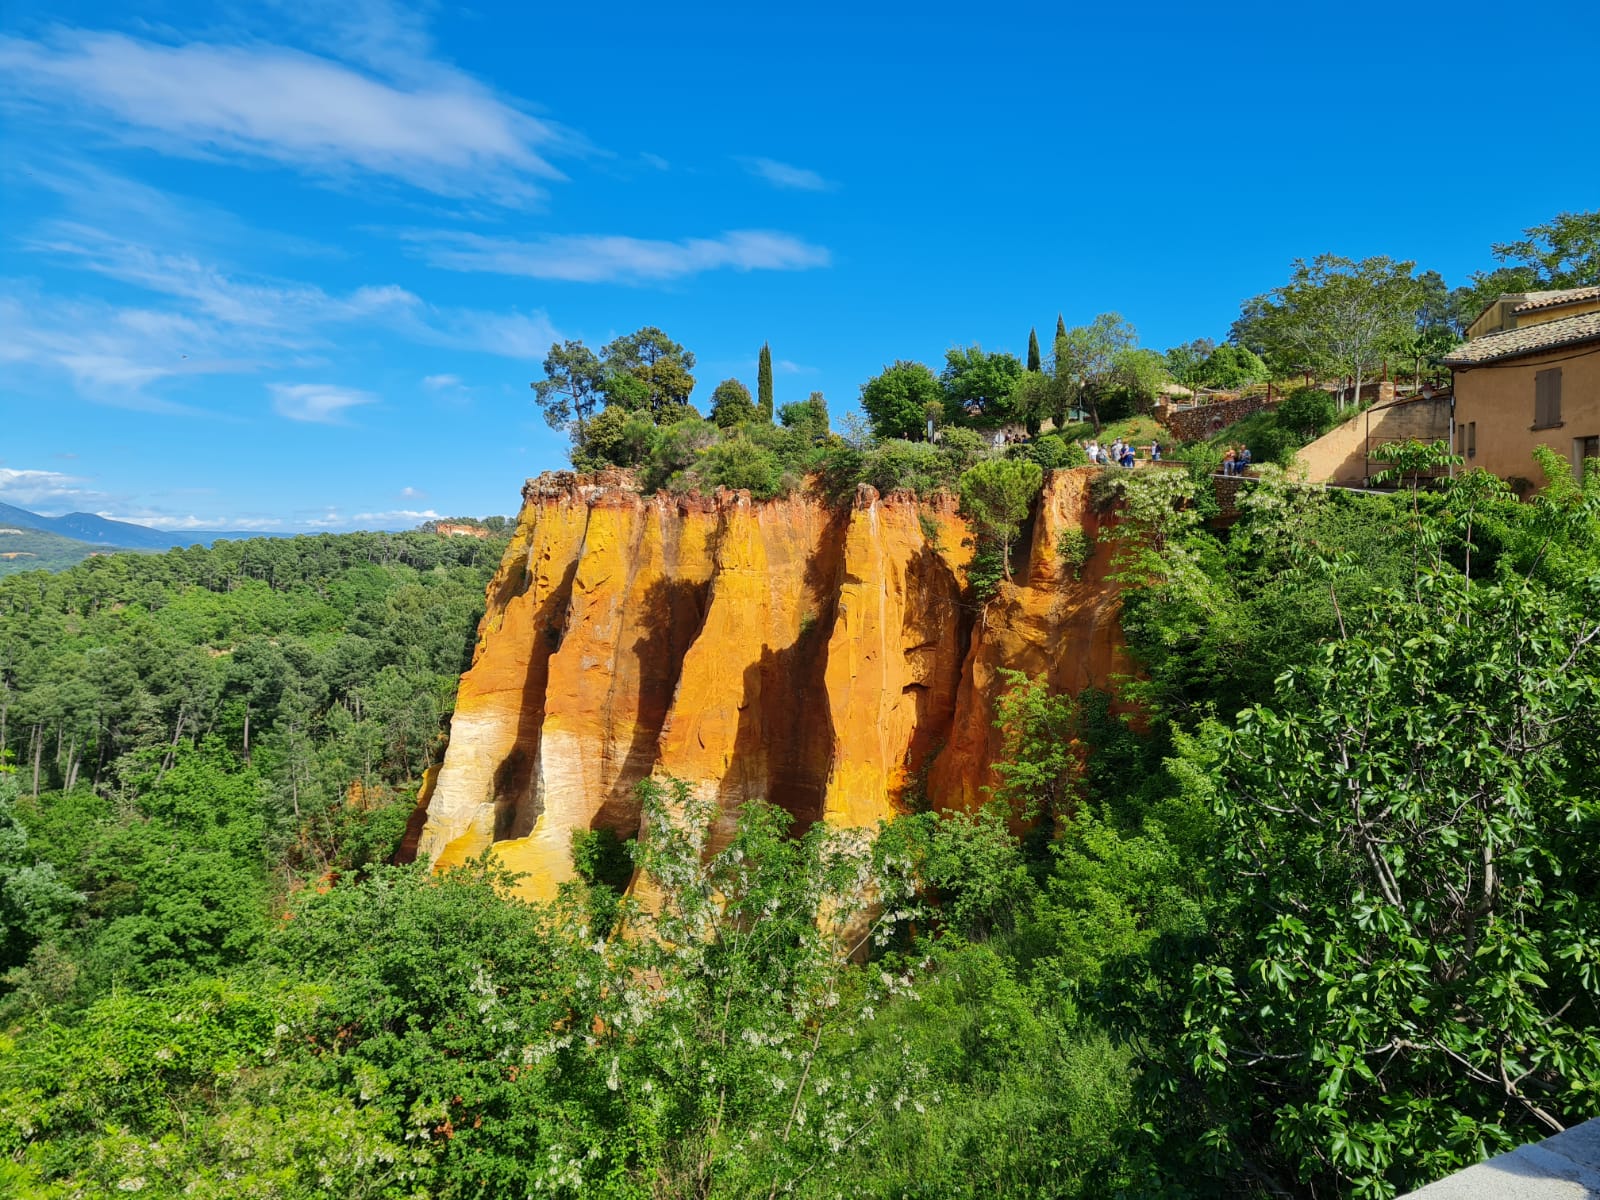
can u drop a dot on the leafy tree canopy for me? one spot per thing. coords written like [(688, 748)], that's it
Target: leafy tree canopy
[(647, 371), (896, 400), (998, 494), (731, 404), (978, 385), (1336, 316)]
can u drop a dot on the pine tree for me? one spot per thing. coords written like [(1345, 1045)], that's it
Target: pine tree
[(764, 383), (1034, 361)]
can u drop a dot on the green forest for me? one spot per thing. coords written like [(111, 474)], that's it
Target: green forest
[(1319, 920)]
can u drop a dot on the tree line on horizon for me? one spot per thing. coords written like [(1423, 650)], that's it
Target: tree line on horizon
[(1335, 318)]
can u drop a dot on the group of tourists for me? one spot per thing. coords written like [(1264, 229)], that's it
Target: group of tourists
[(1119, 453), (1236, 460)]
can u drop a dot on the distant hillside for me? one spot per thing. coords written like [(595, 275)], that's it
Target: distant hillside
[(123, 535), (35, 550)]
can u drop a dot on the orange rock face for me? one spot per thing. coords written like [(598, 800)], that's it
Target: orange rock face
[(822, 659), (1046, 623)]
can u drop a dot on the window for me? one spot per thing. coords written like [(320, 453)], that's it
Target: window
[(1547, 399), (1472, 439), (1582, 448)]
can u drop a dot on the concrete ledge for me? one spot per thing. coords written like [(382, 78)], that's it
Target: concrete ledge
[(1564, 1167)]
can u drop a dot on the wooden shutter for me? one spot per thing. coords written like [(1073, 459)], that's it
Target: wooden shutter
[(1547, 398)]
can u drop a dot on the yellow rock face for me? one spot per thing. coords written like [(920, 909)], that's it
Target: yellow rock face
[(818, 658)]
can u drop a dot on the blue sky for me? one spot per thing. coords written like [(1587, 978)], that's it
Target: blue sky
[(293, 266)]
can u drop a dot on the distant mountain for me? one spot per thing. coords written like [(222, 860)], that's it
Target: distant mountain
[(122, 535), (23, 549)]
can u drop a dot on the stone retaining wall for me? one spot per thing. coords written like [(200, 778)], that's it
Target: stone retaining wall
[(1196, 424)]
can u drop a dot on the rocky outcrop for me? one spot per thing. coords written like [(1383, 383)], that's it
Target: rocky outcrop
[(819, 657)]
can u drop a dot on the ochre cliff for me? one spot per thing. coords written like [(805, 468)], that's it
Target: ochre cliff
[(818, 657)]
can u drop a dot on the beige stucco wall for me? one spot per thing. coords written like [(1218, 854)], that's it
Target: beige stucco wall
[(1340, 455), (1556, 312), (1501, 315), (1499, 398)]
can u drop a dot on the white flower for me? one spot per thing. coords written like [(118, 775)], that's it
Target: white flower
[(133, 1183)]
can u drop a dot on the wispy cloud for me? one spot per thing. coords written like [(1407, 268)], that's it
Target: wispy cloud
[(410, 119), (439, 383), (600, 258), (654, 160), (215, 321), (26, 487), (111, 354), (321, 403), (411, 493), (784, 367), (396, 516), (159, 519), (96, 198), (787, 176)]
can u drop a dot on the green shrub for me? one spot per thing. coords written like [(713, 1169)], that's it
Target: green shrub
[(1204, 461), (917, 466), (674, 451), (1053, 452), (739, 463), (962, 446), (1074, 547), (1307, 411), (614, 438), (808, 418)]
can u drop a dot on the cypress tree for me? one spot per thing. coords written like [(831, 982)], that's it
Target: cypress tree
[(1035, 363), (1061, 327), (764, 383)]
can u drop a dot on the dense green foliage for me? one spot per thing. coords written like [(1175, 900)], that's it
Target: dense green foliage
[(193, 731), (731, 404), (901, 400), (1316, 924)]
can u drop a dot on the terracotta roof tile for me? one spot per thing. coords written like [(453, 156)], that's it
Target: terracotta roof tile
[(1532, 339), (1538, 300)]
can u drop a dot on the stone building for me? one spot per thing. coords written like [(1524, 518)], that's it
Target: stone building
[(1529, 375)]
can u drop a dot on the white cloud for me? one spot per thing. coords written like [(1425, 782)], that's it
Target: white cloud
[(25, 487), (599, 258), (440, 383), (396, 516), (654, 160), (783, 175), (784, 367), (419, 121), (411, 493), (322, 403), (157, 519)]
